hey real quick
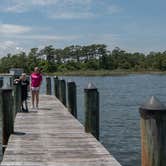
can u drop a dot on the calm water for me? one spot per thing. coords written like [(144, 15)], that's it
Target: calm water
[(120, 99)]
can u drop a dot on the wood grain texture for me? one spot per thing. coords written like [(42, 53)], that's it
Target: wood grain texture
[(53, 137)]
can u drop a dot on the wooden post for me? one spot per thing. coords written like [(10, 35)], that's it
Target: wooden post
[(48, 85), (56, 87), (92, 110), (17, 98), (11, 80), (62, 91), (153, 135), (72, 100), (8, 115), (1, 123), (1, 82)]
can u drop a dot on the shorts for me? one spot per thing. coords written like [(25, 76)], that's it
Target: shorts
[(35, 88)]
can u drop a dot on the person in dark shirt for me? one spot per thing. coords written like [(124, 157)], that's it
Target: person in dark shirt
[(23, 81), (24, 91)]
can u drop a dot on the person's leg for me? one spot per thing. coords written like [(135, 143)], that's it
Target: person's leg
[(26, 106), (33, 98), (22, 106), (37, 99), (25, 100), (22, 101)]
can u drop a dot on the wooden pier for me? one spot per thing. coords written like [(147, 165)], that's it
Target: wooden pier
[(53, 137)]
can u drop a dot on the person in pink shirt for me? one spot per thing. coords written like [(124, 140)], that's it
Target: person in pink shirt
[(36, 80)]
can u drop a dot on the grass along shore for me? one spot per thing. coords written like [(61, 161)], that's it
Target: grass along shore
[(97, 73), (103, 72)]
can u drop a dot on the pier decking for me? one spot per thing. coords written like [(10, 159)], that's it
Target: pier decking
[(53, 137)]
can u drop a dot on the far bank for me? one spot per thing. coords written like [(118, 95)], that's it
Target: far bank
[(103, 72)]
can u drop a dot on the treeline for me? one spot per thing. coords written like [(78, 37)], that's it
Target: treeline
[(91, 57)]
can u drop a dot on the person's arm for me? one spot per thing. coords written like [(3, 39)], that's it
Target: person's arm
[(40, 80), (16, 81), (28, 85), (30, 81)]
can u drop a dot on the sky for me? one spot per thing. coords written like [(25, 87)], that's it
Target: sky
[(132, 25)]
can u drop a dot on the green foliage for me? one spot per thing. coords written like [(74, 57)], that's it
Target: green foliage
[(69, 66), (91, 57), (92, 64)]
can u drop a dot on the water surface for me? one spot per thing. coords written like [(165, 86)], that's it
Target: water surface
[(120, 99)]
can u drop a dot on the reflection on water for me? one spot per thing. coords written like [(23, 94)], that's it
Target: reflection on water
[(120, 99)]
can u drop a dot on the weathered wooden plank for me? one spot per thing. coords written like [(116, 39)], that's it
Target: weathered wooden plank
[(53, 137)]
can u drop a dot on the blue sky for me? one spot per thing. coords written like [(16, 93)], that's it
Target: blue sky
[(132, 25)]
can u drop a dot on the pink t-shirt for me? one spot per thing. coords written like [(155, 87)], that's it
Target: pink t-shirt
[(36, 79)]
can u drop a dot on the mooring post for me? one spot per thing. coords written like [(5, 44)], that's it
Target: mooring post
[(153, 135), (62, 91), (7, 114), (48, 85), (17, 97), (11, 81), (1, 122), (56, 87), (92, 110), (1, 82), (72, 100)]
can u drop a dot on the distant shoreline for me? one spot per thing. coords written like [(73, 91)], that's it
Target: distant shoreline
[(97, 73), (104, 73)]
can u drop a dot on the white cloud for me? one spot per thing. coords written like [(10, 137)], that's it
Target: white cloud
[(13, 29), (72, 15), (72, 9), (48, 37), (15, 8), (112, 9), (84, 9), (20, 6), (61, 2), (65, 9), (43, 2), (62, 9), (12, 47), (29, 41), (9, 46)]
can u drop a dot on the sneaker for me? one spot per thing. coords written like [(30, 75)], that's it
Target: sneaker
[(23, 110), (26, 110), (32, 107)]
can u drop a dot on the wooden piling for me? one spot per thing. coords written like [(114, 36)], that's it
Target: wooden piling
[(1, 123), (48, 85), (17, 98), (62, 91), (11, 80), (56, 87), (153, 135), (1, 82), (8, 115), (92, 110), (72, 99)]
